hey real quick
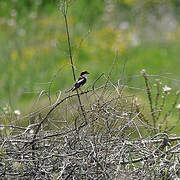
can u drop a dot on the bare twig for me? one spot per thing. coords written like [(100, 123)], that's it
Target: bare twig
[(70, 55)]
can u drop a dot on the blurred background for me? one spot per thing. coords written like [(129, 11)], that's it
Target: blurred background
[(134, 34)]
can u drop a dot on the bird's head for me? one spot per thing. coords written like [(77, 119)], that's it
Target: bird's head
[(83, 73)]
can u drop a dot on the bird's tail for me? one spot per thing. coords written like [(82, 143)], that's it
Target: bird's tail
[(68, 90)]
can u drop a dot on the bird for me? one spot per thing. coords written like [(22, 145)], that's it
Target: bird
[(79, 82)]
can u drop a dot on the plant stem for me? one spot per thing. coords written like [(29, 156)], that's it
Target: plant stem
[(72, 62)]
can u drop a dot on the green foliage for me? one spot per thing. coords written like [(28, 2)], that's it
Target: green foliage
[(33, 46), (24, 6), (87, 12)]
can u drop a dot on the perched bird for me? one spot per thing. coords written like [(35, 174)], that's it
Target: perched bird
[(79, 82)]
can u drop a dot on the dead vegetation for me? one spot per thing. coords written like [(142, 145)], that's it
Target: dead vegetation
[(114, 143)]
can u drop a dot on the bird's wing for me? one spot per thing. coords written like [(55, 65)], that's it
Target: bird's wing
[(76, 84), (80, 79)]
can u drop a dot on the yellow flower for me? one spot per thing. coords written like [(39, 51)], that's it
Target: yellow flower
[(122, 47), (14, 55), (171, 36), (129, 2), (28, 52)]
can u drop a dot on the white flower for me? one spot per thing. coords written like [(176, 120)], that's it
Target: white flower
[(178, 106), (124, 25), (6, 109), (22, 32), (11, 22), (177, 93), (13, 12), (17, 112), (143, 72), (33, 15), (125, 114), (166, 88), (1, 128), (135, 41), (31, 131)]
